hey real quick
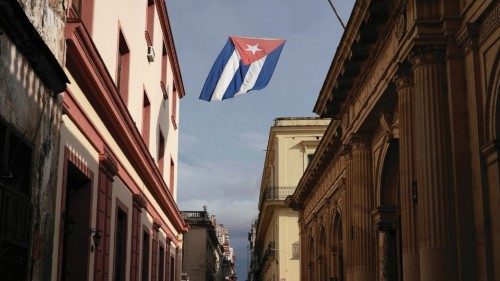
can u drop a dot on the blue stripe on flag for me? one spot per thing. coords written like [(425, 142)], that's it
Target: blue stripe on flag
[(268, 68), (216, 71), (236, 82)]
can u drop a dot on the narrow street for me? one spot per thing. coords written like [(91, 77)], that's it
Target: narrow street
[(263, 140)]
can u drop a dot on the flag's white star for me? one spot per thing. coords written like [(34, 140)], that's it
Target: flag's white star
[(253, 48)]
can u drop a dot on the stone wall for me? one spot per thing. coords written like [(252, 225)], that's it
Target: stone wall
[(32, 110), (48, 17)]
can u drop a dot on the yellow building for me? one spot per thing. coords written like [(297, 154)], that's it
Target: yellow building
[(291, 144)]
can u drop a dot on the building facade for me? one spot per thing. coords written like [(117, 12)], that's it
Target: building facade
[(291, 144), (116, 211), (405, 183), (31, 78), (205, 247)]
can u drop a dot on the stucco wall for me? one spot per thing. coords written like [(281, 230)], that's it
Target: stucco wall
[(130, 16), (195, 249)]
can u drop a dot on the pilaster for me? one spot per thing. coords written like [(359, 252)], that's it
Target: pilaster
[(360, 183), (404, 84), (436, 212), (347, 155)]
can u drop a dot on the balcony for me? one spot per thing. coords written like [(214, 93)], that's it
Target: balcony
[(195, 216), (276, 193)]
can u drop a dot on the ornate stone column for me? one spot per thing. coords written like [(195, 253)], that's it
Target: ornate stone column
[(411, 267), (360, 183), (436, 212)]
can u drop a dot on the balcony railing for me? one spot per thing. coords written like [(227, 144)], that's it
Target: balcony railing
[(276, 193), (195, 216)]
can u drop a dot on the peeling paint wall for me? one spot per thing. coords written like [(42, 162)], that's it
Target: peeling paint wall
[(49, 18), (31, 109)]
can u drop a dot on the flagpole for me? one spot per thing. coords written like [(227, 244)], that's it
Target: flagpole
[(337, 14)]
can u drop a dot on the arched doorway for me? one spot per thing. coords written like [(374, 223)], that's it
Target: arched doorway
[(388, 217), (337, 249)]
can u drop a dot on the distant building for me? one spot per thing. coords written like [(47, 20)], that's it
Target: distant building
[(31, 79), (292, 143), (203, 253)]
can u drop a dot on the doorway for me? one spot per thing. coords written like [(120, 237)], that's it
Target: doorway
[(75, 225)]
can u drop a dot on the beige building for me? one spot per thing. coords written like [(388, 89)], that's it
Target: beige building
[(292, 143), (116, 211)]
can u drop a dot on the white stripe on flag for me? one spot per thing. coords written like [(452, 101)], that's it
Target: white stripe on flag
[(227, 75), (252, 75)]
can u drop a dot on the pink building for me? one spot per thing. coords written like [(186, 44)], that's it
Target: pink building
[(116, 211)]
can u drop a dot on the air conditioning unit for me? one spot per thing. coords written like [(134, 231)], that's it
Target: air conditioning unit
[(151, 54)]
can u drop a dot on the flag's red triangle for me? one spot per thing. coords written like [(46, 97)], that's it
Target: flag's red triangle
[(253, 49)]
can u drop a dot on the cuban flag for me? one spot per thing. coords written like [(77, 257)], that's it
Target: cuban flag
[(245, 64)]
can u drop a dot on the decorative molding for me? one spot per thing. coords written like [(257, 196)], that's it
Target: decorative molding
[(400, 25), (490, 24)]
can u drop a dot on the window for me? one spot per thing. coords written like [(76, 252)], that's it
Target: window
[(161, 152), (15, 203), (120, 244), (122, 71), (164, 64), (174, 107), (145, 256), (150, 20), (310, 158), (161, 266), (172, 174), (146, 116)]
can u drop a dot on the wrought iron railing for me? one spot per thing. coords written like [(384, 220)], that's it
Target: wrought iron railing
[(276, 193)]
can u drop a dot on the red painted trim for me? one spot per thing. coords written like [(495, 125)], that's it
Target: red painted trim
[(135, 242), (103, 222), (69, 156), (86, 65), (169, 38), (154, 254), (150, 21)]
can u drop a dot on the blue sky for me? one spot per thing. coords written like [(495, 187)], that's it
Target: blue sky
[(221, 151)]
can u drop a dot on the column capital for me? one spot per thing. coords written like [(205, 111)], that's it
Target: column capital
[(402, 81), (426, 54), (360, 141), (346, 152)]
